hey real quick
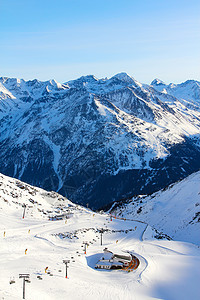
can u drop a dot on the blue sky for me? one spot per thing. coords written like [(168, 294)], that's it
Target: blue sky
[(66, 39)]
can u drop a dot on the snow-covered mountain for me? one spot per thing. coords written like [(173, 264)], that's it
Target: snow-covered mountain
[(21, 200), (186, 91), (174, 210), (99, 140), (54, 229)]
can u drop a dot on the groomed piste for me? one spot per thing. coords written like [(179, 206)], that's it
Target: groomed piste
[(38, 244)]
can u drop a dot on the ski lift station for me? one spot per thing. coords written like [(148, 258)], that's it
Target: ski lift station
[(113, 261)]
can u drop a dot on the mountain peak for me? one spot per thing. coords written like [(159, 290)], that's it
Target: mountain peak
[(74, 140), (11, 81), (191, 82), (83, 80), (123, 76), (157, 81), (88, 78)]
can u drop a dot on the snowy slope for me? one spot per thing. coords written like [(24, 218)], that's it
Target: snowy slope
[(75, 137), (188, 92), (165, 266), (15, 194), (175, 210)]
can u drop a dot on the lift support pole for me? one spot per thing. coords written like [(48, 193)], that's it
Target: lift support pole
[(24, 210), (25, 279), (85, 245), (66, 262), (101, 232)]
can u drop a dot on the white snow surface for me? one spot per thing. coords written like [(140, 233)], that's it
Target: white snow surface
[(168, 269), (188, 90), (141, 121), (174, 210)]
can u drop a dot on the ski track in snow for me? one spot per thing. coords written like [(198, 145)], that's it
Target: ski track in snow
[(165, 266), (120, 285)]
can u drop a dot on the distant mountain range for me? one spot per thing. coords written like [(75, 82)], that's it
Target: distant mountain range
[(95, 140)]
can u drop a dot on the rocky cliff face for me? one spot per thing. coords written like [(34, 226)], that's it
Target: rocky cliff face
[(99, 140)]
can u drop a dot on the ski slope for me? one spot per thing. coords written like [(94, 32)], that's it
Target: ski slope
[(174, 210), (168, 269)]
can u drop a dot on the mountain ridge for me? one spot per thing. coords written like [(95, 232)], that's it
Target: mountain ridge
[(75, 137), (174, 210)]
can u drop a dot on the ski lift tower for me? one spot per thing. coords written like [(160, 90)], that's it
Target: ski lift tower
[(85, 246), (66, 261), (101, 232), (24, 206), (25, 279)]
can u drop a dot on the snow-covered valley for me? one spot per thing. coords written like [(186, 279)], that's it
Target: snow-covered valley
[(169, 269)]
